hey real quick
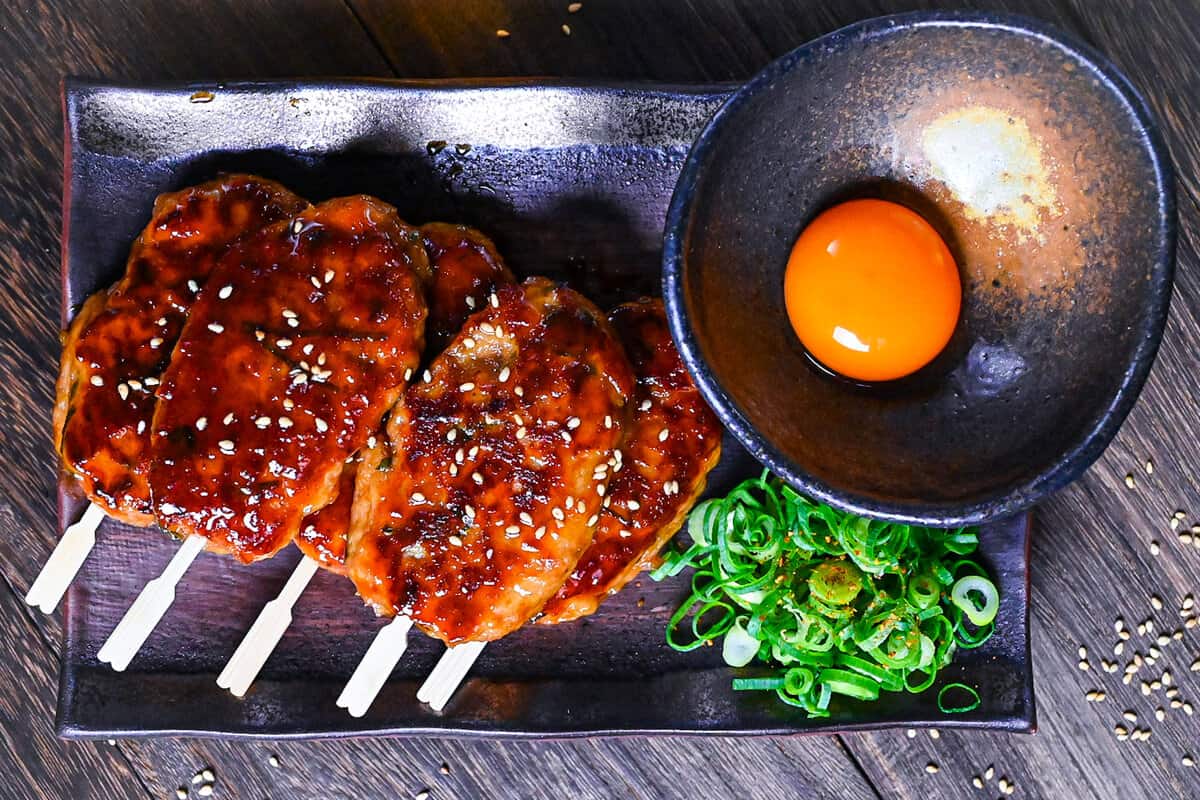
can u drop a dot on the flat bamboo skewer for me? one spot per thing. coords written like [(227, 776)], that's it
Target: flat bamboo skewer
[(151, 604), (64, 563), (264, 635), (373, 671), (449, 672)]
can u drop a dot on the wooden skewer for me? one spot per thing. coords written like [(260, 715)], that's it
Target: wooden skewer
[(453, 666), (373, 671), (260, 641), (63, 564), (155, 598)]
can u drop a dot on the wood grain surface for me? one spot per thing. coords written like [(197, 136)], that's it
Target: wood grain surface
[(1093, 556)]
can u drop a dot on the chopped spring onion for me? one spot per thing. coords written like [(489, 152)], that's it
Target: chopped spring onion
[(971, 704), (837, 604), (962, 592)]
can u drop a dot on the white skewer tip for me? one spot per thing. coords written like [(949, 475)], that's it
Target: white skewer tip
[(264, 635), (449, 672), (64, 563), (149, 607), (373, 671)]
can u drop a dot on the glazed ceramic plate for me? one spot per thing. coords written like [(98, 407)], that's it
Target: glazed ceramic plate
[(573, 182)]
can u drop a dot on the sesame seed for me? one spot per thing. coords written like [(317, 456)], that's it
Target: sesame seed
[(469, 511), (259, 335), (205, 791), (293, 323), (500, 34), (469, 343), (520, 433), (1156, 602), (408, 375), (1121, 730), (156, 342), (573, 423), (456, 541), (135, 384), (475, 476), (427, 377), (663, 434), (225, 292), (592, 520), (229, 418), (466, 387), (1154, 548), (288, 313), (557, 513), (540, 532), (504, 375), (519, 392), (288, 403), (262, 422), (911, 733), (934, 733), (181, 793), (315, 281), (566, 29), (417, 497), (216, 327), (1188, 761), (96, 380), (201, 423), (931, 768), (513, 529), (193, 286), (1159, 714), (626, 534), (1129, 482), (285, 423), (226, 446), (322, 426), (1130, 716), (633, 505), (977, 782), (600, 488), (371, 442), (988, 773), (123, 391), (495, 301)]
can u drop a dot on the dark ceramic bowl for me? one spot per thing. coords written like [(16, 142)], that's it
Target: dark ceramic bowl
[(1040, 166)]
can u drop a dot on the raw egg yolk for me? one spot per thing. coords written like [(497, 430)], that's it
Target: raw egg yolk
[(872, 290)]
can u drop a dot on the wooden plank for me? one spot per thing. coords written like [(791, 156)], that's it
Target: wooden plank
[(1092, 543), (34, 764)]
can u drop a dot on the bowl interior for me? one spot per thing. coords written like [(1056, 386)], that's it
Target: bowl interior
[(1038, 168)]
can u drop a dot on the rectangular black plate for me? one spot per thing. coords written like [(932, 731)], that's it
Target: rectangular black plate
[(573, 182)]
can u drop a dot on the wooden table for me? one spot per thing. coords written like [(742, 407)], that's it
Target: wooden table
[(1095, 552)]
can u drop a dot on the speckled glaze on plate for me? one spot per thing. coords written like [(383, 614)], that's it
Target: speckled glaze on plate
[(1040, 166), (573, 182)]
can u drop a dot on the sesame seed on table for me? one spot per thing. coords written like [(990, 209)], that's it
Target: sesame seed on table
[(1116, 556)]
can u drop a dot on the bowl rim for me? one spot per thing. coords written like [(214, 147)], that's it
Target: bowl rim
[(1074, 461)]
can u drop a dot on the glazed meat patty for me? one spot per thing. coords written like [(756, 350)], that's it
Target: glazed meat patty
[(117, 347), (465, 269), (301, 341), (673, 441), (473, 510)]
